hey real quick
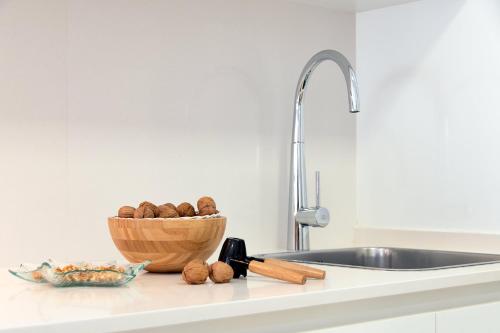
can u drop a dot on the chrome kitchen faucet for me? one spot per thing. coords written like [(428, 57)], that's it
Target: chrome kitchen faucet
[(300, 216)]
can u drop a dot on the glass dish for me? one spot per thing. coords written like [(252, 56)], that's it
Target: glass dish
[(29, 272), (99, 274)]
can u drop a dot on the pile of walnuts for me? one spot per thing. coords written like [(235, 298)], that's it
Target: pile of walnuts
[(206, 206), (197, 272)]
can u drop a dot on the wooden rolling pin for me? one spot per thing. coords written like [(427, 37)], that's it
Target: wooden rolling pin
[(309, 272)]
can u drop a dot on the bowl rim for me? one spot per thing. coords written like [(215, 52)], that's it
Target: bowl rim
[(166, 221)]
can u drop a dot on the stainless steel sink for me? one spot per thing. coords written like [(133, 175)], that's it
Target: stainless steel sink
[(385, 258)]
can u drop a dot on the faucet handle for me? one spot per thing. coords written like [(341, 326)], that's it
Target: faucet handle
[(316, 174), (313, 217), (316, 216)]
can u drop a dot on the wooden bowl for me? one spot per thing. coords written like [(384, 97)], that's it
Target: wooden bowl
[(169, 243)]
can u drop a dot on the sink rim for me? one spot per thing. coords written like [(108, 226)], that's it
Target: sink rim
[(495, 258)]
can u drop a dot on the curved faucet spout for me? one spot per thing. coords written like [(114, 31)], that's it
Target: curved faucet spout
[(300, 215), (350, 79)]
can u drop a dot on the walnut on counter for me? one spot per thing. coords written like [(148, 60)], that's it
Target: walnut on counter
[(195, 272), (220, 272)]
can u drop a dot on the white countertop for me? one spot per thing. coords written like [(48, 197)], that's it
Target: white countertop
[(154, 300)]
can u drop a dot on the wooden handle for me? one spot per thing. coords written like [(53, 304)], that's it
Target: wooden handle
[(276, 272), (309, 272)]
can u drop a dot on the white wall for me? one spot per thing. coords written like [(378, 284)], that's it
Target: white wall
[(105, 103), (429, 139)]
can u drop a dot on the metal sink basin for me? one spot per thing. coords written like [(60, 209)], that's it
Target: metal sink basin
[(384, 258)]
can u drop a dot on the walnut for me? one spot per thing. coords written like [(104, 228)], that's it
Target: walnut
[(149, 212), (126, 211), (207, 211), (167, 212), (144, 211), (171, 205), (37, 275), (195, 272), (153, 207), (205, 202), (90, 274), (220, 272), (185, 209)]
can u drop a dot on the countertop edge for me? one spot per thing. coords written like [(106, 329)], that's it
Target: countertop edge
[(184, 315)]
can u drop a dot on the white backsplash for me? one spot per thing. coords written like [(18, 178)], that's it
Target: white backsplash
[(106, 103), (429, 139)]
